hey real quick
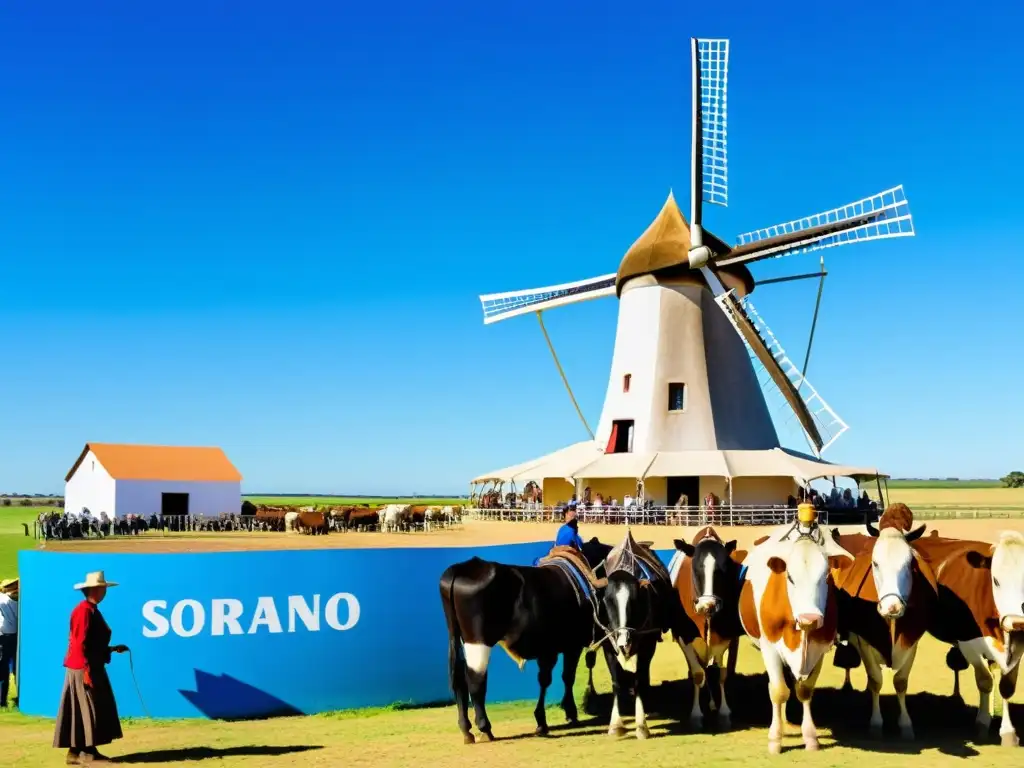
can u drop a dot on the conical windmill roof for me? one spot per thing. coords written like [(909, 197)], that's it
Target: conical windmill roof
[(663, 245), (664, 249)]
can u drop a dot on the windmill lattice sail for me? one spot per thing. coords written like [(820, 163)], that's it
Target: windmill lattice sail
[(878, 217), (825, 426), (502, 306), (713, 66)]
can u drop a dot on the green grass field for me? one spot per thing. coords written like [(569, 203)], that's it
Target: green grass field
[(952, 484)]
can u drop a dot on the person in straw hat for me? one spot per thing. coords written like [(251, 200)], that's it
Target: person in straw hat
[(87, 717)]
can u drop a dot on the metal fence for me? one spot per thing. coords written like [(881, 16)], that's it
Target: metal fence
[(679, 516)]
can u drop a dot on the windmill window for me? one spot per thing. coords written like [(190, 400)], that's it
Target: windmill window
[(625, 382), (677, 397)]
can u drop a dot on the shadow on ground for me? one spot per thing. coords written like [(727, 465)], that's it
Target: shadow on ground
[(944, 723), (210, 753)]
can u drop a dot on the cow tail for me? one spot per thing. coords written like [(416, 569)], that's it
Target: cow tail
[(457, 679)]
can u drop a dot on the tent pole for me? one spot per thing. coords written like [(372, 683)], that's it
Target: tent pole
[(561, 373)]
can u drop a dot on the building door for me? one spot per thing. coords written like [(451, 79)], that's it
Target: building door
[(678, 486), (173, 504), (621, 438)]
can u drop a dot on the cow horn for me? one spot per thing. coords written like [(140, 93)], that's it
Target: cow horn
[(915, 535), (872, 531)]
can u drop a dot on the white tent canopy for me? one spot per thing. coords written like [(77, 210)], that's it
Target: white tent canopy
[(561, 463), (587, 461)]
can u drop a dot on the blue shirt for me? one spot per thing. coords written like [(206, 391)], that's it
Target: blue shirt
[(568, 537)]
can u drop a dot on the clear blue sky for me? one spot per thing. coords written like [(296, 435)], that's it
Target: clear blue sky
[(265, 226)]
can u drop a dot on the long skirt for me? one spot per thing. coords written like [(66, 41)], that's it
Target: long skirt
[(87, 716)]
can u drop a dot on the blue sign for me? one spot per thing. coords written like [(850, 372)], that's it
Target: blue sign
[(247, 634)]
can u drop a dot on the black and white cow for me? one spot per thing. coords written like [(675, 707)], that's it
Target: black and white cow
[(707, 575), (532, 612)]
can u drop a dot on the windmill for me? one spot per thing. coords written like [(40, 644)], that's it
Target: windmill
[(692, 355)]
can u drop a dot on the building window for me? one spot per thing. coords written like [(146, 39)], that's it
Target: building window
[(677, 397), (625, 382), (94, 466)]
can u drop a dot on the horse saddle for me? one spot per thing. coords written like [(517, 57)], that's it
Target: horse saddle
[(578, 567)]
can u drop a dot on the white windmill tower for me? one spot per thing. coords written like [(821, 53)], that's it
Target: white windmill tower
[(689, 346)]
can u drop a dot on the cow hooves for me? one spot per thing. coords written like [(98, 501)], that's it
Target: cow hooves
[(1009, 740), (542, 730), (616, 731), (486, 736), (643, 733), (774, 747), (697, 722), (875, 731), (467, 738), (572, 720), (907, 734), (724, 722), (981, 731)]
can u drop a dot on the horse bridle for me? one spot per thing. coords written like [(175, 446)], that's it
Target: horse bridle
[(643, 629)]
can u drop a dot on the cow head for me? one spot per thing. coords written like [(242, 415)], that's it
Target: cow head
[(806, 565), (892, 568), (714, 572), (1007, 565), (628, 607)]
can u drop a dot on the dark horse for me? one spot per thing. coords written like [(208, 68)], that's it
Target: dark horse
[(638, 606), (533, 612)]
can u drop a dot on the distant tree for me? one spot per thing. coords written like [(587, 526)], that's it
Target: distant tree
[(1014, 480), (6, 502), (25, 502)]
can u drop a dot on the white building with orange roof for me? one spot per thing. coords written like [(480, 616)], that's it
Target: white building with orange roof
[(152, 480)]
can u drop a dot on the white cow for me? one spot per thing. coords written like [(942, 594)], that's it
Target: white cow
[(395, 516), (788, 608), (290, 519)]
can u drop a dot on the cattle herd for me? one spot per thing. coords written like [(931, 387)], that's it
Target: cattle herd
[(308, 520), (799, 591), (387, 518)]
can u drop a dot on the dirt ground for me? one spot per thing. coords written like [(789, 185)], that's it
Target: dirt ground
[(470, 534)]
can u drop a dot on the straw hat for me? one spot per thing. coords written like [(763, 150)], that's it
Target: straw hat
[(95, 579), (9, 585)]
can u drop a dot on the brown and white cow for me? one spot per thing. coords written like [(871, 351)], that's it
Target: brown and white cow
[(788, 608), (707, 576), (886, 599), (981, 611)]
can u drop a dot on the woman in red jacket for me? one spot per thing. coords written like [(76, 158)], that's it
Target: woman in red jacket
[(87, 717)]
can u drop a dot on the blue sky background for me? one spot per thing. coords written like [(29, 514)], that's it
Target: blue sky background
[(265, 226)]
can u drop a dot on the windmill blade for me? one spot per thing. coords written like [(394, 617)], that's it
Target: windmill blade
[(820, 423), (878, 217), (709, 180), (502, 306)]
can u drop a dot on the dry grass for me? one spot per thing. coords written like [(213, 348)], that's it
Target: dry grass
[(430, 737), (958, 497), (471, 534)]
